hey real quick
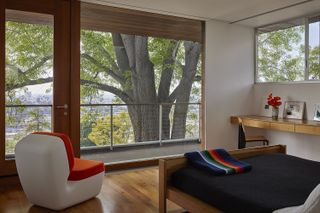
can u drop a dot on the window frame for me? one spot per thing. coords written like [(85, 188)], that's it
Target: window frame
[(306, 55)]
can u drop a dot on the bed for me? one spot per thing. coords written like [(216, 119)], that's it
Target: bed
[(196, 191)]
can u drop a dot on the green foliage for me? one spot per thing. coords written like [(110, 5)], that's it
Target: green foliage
[(281, 55), (192, 125), (122, 130), (29, 57), (27, 120), (29, 50), (36, 122), (314, 63), (97, 58), (88, 118)]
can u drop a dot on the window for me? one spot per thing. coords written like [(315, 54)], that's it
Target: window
[(288, 51), (29, 74), (314, 49), (140, 84)]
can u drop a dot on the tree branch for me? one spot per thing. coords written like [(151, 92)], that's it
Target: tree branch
[(182, 91), (172, 97), (129, 44), (121, 54), (124, 96), (111, 60), (29, 83), (39, 64), (98, 64), (11, 66), (197, 78), (167, 72)]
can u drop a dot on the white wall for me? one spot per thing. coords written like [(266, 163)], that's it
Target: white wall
[(302, 145), (230, 90), (228, 80)]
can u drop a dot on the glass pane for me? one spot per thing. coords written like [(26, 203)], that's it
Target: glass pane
[(29, 73), (140, 96), (314, 51), (281, 54)]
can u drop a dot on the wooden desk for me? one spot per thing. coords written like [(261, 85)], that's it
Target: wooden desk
[(287, 125)]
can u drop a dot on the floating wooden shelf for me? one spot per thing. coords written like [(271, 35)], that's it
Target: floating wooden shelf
[(287, 125)]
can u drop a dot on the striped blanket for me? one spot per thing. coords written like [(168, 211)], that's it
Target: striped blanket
[(217, 161)]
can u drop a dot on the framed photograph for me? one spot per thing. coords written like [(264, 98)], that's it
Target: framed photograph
[(293, 110), (317, 113)]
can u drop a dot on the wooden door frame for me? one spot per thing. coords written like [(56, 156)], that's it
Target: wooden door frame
[(74, 113), (66, 64)]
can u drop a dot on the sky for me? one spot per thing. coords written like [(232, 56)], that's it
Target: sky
[(314, 34)]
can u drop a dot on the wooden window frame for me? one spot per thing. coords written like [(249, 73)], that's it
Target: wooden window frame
[(66, 65), (127, 21), (299, 21)]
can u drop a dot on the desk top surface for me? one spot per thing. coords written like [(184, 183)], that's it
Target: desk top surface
[(234, 119)]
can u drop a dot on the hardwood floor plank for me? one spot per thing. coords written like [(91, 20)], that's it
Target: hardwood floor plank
[(134, 191)]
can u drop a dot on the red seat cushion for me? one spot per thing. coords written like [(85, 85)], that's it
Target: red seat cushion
[(83, 169), (67, 144)]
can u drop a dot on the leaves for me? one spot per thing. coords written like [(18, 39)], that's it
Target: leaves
[(29, 50), (281, 55), (101, 130), (29, 61), (314, 63)]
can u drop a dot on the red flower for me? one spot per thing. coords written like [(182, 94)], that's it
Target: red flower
[(274, 101)]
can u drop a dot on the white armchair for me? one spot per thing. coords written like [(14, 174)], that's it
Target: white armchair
[(50, 175)]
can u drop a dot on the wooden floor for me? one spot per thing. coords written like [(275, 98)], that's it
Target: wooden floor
[(131, 191)]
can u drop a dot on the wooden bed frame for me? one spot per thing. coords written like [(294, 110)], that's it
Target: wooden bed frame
[(188, 202)]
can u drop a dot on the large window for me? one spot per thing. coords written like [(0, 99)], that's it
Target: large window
[(314, 49), (140, 84), (288, 51), (29, 74)]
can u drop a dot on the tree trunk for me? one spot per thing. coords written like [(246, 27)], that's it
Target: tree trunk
[(192, 54), (166, 109), (138, 87), (145, 114), (164, 87)]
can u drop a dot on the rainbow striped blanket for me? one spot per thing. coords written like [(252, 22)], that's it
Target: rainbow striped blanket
[(217, 161)]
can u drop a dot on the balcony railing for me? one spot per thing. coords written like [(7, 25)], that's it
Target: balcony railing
[(162, 124), (109, 126)]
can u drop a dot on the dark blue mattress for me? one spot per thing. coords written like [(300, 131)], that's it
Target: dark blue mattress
[(276, 181)]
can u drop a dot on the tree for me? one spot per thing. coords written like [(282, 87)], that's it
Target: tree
[(127, 66), (29, 55), (37, 122), (281, 55), (88, 119), (314, 63), (122, 133), (137, 69)]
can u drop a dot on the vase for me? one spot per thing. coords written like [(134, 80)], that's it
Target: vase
[(275, 113)]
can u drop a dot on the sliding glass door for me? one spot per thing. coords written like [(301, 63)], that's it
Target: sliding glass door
[(35, 72), (29, 75)]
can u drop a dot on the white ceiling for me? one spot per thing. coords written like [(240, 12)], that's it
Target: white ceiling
[(224, 10)]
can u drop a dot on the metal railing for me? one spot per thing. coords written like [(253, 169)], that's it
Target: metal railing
[(156, 112), (111, 112)]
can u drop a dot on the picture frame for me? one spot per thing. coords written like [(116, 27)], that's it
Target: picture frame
[(294, 110), (317, 112)]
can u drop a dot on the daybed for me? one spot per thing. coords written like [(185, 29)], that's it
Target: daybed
[(271, 183)]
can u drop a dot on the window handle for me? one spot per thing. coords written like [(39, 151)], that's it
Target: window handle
[(65, 106)]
